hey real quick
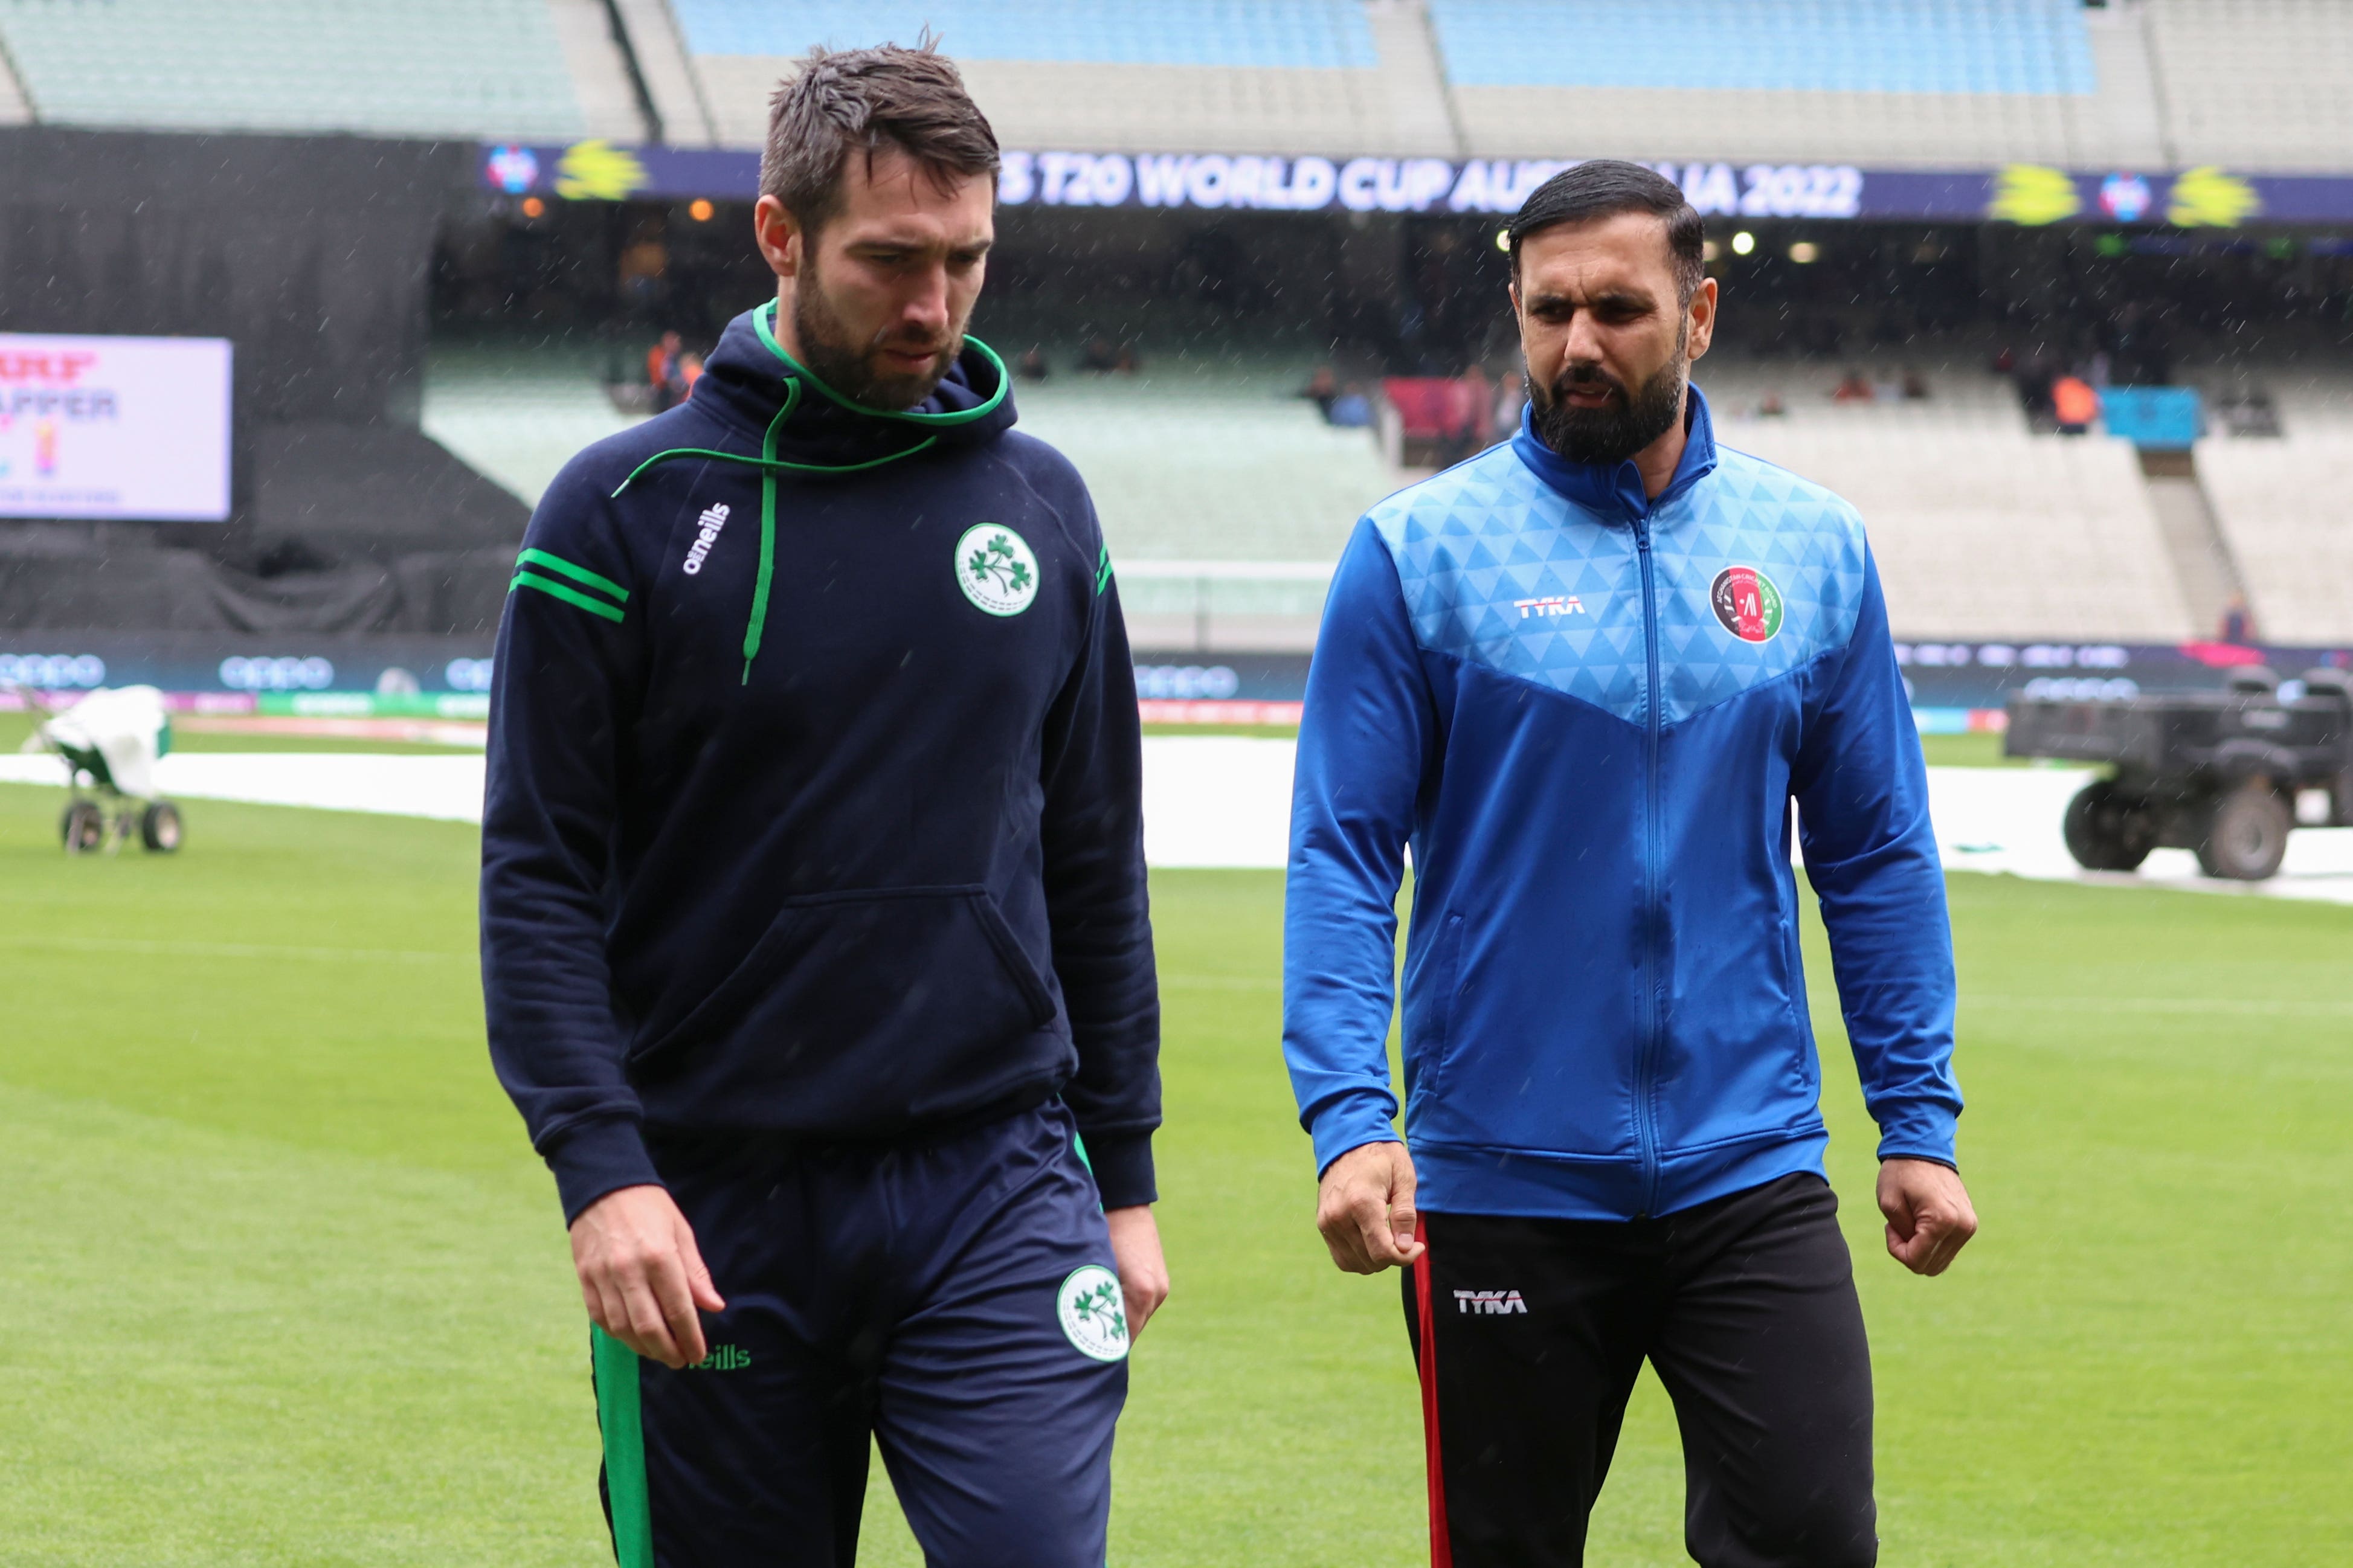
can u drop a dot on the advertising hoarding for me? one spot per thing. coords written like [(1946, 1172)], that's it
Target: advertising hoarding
[(2030, 195), (132, 428)]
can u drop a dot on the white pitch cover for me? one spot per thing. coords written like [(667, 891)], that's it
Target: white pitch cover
[(133, 429)]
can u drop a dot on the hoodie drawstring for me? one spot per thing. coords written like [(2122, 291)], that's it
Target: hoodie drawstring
[(770, 466)]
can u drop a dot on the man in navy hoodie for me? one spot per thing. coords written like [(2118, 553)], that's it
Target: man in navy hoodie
[(1586, 674), (815, 944)]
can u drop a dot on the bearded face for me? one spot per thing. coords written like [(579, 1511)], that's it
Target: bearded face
[(896, 367), (1589, 416)]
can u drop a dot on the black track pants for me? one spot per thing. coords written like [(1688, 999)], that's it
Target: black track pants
[(1529, 1332)]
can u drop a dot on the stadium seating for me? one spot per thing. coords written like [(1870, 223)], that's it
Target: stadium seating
[(492, 69), (1218, 463), (1982, 533), (1962, 396), (518, 413), (2281, 506), (1294, 33), (1288, 76), (2019, 47), (2249, 85), (2255, 84), (1871, 81)]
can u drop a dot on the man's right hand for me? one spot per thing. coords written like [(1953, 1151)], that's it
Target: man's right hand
[(1365, 1209), (641, 1275)]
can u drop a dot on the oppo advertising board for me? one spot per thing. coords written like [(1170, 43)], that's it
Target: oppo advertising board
[(114, 428)]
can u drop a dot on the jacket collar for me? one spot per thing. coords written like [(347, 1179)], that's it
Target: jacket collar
[(1613, 492)]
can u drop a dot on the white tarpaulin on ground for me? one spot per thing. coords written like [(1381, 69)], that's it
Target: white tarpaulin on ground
[(447, 787), (1225, 801)]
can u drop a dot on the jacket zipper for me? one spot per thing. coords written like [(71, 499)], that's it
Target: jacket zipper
[(1646, 1133)]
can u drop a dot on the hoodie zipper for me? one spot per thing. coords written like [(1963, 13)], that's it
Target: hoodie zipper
[(1646, 1132)]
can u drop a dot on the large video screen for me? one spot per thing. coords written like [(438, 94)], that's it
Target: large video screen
[(135, 429)]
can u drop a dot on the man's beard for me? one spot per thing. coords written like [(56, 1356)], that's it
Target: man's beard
[(833, 353), (1619, 428)]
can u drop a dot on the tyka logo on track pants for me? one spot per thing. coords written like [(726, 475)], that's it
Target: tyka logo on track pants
[(1491, 1301)]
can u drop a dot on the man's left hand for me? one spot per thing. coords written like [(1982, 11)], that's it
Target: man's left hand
[(1930, 1218), (1142, 1274)]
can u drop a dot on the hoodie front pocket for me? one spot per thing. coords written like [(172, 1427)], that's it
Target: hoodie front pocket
[(918, 985)]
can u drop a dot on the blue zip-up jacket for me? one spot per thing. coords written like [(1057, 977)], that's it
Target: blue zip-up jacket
[(1590, 712), (815, 785)]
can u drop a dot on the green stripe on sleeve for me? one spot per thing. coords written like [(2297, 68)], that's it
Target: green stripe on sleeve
[(1103, 571), (570, 597), (620, 1419), (564, 568)]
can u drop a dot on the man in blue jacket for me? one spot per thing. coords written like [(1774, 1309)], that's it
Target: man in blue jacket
[(1585, 675), (814, 925)]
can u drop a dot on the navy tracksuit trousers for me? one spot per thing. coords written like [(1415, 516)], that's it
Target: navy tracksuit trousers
[(951, 1299)]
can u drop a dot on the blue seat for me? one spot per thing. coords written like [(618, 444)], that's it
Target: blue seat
[(1284, 34), (2023, 47)]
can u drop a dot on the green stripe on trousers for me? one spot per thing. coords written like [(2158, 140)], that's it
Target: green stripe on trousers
[(620, 1420)]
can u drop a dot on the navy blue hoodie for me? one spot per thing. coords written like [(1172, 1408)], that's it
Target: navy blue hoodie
[(814, 786)]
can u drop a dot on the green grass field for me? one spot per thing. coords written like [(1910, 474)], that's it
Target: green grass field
[(284, 1285)]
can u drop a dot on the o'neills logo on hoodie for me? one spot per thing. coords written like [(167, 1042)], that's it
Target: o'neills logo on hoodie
[(710, 522)]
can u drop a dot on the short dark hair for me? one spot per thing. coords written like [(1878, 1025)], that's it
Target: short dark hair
[(873, 99), (1604, 187)]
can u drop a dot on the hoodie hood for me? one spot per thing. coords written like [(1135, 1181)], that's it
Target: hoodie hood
[(750, 378), (1613, 492), (808, 430)]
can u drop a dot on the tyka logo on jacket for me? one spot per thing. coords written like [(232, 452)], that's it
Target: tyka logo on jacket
[(996, 569), (712, 519), (1490, 1301), (1557, 605)]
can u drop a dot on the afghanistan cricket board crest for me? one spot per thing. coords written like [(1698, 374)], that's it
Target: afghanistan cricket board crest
[(997, 569), (1093, 1312), (1748, 603)]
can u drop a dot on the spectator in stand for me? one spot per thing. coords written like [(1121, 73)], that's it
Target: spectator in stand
[(1854, 388), (2034, 378), (662, 371), (1472, 405), (661, 360), (1099, 355), (1322, 389), (690, 371), (1915, 386), (2238, 627), (2074, 404), (1771, 405), (1033, 366), (1128, 363), (1351, 409)]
